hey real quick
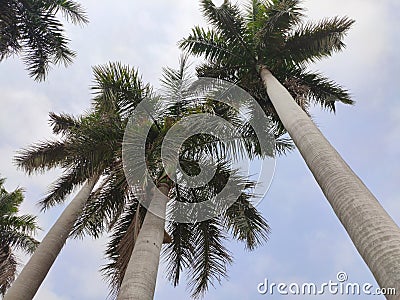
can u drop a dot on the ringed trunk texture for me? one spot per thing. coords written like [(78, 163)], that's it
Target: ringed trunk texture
[(35, 271), (373, 232), (140, 277)]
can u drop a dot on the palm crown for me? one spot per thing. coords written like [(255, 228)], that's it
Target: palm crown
[(90, 146), (273, 34)]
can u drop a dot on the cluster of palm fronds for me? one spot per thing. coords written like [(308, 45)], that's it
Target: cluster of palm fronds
[(273, 34), (32, 28), (15, 233)]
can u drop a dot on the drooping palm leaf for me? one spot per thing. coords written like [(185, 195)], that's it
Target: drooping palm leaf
[(32, 29)]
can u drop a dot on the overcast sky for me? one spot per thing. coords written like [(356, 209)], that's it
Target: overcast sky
[(307, 244)]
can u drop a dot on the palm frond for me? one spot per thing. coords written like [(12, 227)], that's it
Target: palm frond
[(63, 186), (179, 253), (8, 268), (246, 223), (277, 16), (314, 41), (41, 157), (16, 230), (10, 201), (71, 10), (62, 123), (120, 247), (208, 43), (19, 240), (321, 90), (35, 32), (210, 257), (118, 88), (104, 206)]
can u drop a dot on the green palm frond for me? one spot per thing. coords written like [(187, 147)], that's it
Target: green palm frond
[(314, 41), (63, 186), (33, 30), (41, 157), (178, 255), (8, 268), (19, 240), (63, 123), (320, 89), (227, 19), (16, 230), (276, 16), (118, 88), (210, 257), (208, 43), (246, 223), (104, 206), (121, 245), (9, 202), (71, 10)]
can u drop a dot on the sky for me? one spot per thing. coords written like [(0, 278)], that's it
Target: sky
[(307, 242)]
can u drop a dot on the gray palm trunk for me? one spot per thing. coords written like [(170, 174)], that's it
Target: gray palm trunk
[(35, 271), (140, 277), (373, 232)]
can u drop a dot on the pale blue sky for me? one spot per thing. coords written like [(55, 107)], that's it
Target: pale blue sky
[(307, 242)]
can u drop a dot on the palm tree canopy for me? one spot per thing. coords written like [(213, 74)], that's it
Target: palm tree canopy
[(197, 248), (271, 33), (32, 28), (15, 233), (90, 145)]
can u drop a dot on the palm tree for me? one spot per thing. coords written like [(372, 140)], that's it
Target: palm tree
[(15, 233), (196, 246), (31, 28), (89, 153), (271, 37)]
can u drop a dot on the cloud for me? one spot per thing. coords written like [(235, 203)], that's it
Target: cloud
[(48, 294), (24, 116)]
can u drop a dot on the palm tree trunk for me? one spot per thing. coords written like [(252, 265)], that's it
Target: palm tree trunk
[(141, 274), (35, 271), (373, 232)]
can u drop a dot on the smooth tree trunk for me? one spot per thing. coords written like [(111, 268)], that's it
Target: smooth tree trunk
[(35, 271), (140, 277), (373, 232)]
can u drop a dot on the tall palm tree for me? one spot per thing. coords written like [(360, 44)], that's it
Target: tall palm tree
[(198, 246), (271, 37), (32, 28), (88, 151), (15, 233)]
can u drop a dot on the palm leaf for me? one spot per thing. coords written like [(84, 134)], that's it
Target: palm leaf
[(314, 41), (210, 257)]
